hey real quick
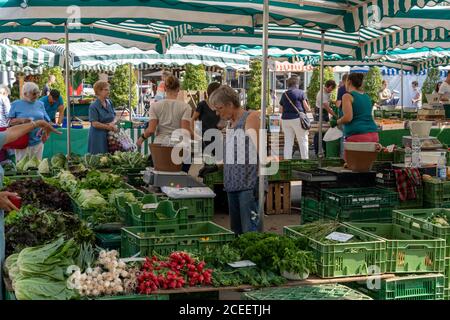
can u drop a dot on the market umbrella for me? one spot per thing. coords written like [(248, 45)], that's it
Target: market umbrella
[(20, 58)]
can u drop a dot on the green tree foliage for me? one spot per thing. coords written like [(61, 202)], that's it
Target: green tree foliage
[(60, 83), (32, 43), (120, 84), (255, 84), (91, 77), (314, 84), (195, 78), (429, 85), (372, 83)]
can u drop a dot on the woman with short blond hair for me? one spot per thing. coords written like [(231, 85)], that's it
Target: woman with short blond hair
[(101, 116)]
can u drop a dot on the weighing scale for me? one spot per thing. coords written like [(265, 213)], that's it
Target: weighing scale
[(170, 179), (428, 143)]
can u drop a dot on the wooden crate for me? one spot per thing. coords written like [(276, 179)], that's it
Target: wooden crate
[(431, 118), (278, 199)]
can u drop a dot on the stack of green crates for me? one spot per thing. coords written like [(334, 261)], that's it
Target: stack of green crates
[(144, 241), (316, 292), (362, 204), (436, 194), (424, 220), (345, 259), (213, 178), (198, 209), (163, 213)]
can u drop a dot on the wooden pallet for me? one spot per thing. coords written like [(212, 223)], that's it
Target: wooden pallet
[(278, 199)]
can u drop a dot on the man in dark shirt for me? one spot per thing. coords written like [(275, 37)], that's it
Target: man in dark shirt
[(48, 86), (206, 115), (341, 91)]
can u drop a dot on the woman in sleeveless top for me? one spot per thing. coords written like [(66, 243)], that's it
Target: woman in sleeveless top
[(359, 125), (240, 159)]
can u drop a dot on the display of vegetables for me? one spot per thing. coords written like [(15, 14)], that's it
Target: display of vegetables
[(40, 194), (297, 262), (8, 166), (129, 159), (39, 273), (319, 230), (31, 226), (110, 276), (103, 182), (59, 161), (44, 167), (121, 193), (438, 219)]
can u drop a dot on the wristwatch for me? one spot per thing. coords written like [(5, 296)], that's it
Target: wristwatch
[(143, 136)]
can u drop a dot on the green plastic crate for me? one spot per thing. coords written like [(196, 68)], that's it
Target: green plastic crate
[(284, 172), (120, 202), (213, 178), (447, 273), (163, 214), (333, 149), (199, 209), (410, 204), (109, 241), (432, 205), (304, 165), (316, 292), (167, 239), (362, 214), (311, 210), (385, 156), (364, 198), (399, 156), (135, 179), (423, 287), (436, 191), (332, 162), (24, 177), (407, 252), (346, 259), (415, 220)]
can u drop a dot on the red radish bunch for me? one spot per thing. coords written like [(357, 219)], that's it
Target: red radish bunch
[(179, 270)]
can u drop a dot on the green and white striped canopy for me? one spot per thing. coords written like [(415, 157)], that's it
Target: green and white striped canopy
[(347, 15), (155, 36), (359, 45), (25, 59), (98, 56)]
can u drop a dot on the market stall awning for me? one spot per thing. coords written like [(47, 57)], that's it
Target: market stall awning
[(363, 43), (26, 59), (99, 56), (347, 15)]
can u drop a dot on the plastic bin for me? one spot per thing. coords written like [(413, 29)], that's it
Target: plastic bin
[(425, 287), (167, 239), (109, 241), (345, 259), (407, 252), (198, 209), (359, 198), (333, 149), (311, 211), (163, 214), (436, 192), (317, 292)]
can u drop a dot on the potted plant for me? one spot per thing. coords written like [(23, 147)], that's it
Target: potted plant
[(296, 264)]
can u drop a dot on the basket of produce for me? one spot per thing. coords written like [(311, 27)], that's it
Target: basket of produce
[(340, 250)]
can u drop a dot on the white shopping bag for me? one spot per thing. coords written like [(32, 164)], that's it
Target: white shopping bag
[(332, 134)]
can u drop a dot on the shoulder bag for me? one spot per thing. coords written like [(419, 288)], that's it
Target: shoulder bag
[(304, 120)]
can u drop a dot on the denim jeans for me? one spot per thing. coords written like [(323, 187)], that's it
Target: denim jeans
[(243, 209)]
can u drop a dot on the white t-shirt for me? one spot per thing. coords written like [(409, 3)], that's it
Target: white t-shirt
[(417, 93), (169, 114), (445, 89), (326, 98)]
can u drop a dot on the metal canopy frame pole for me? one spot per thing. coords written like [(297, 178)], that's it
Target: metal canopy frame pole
[(262, 143), (402, 89), (322, 71), (130, 92), (67, 67)]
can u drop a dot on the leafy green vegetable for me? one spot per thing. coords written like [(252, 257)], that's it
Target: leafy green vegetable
[(101, 181), (91, 199), (438, 219), (319, 230), (297, 261), (22, 163), (59, 161), (44, 167), (42, 271), (121, 193), (33, 163)]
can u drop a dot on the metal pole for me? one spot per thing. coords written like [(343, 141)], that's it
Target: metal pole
[(265, 82), (67, 67), (322, 49), (129, 94), (402, 90)]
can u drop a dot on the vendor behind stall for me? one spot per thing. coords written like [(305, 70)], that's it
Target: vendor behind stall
[(10, 135), (168, 115), (101, 116), (54, 103), (359, 125)]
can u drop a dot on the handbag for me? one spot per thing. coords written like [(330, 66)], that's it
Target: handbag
[(21, 143), (304, 120)]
